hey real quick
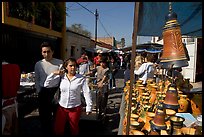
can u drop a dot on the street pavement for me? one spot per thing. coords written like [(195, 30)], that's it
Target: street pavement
[(29, 123)]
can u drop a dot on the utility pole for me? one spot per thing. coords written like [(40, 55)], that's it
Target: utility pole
[(96, 15)]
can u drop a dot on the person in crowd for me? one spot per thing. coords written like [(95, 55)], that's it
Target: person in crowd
[(121, 60), (127, 74), (10, 86), (43, 68), (97, 59), (126, 60), (83, 63), (146, 70), (113, 70), (138, 62), (102, 82), (71, 86)]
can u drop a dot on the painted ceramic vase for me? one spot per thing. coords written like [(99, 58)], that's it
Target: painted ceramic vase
[(183, 103)]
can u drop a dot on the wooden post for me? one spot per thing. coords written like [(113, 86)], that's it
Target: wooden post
[(50, 18), (63, 47), (134, 41), (7, 9), (33, 17)]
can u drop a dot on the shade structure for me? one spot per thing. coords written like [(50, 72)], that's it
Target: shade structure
[(152, 18)]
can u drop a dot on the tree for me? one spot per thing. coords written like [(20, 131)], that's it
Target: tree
[(122, 42), (78, 28)]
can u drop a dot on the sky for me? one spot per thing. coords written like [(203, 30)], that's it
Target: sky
[(115, 19)]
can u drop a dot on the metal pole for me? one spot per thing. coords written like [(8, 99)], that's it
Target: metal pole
[(134, 41), (96, 15)]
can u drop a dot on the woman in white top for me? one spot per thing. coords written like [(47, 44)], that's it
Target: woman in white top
[(146, 70), (71, 85)]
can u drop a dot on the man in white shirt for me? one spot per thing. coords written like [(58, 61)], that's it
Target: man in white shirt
[(43, 68)]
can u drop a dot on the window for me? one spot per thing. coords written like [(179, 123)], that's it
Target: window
[(72, 51)]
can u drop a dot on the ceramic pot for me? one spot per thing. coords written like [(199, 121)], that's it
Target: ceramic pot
[(149, 116), (136, 132), (183, 103), (176, 123), (171, 99), (153, 94), (188, 131)]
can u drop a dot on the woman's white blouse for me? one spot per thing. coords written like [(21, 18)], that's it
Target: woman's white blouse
[(70, 95)]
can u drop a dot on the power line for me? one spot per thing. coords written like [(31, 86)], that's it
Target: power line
[(95, 14), (86, 8), (104, 28)]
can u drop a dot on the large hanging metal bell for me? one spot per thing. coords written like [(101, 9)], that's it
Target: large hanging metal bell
[(174, 54)]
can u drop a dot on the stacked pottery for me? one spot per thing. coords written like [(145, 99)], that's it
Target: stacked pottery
[(136, 132), (153, 94), (171, 99), (138, 82), (141, 89), (188, 131), (158, 122), (149, 116), (176, 124)]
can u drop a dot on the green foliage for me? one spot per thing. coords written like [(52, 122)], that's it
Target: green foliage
[(78, 28), (41, 12)]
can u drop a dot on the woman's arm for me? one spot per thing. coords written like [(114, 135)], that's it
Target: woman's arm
[(140, 70), (52, 80)]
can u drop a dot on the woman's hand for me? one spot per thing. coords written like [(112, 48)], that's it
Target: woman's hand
[(59, 72), (88, 113), (100, 84)]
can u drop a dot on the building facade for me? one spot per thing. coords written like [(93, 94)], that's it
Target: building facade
[(77, 43), (22, 33)]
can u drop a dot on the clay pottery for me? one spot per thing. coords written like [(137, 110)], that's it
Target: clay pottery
[(136, 132), (163, 132), (196, 104), (139, 82), (134, 100), (140, 91), (135, 125), (177, 131), (183, 103), (188, 131), (134, 116), (170, 112), (149, 116), (134, 94), (168, 124), (153, 132), (171, 99), (153, 94), (158, 122), (176, 122)]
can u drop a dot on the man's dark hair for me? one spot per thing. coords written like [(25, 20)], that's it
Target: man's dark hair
[(104, 60), (47, 44)]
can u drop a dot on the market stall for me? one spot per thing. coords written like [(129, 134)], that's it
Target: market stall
[(154, 109)]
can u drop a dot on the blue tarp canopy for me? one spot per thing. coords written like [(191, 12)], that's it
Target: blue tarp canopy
[(152, 18)]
